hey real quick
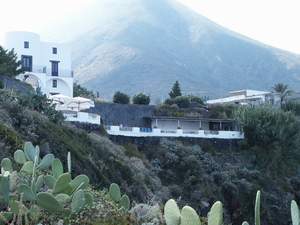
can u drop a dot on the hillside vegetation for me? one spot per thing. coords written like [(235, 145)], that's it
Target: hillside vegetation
[(197, 173)]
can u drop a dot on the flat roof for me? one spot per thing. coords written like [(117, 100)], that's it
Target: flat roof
[(250, 90)]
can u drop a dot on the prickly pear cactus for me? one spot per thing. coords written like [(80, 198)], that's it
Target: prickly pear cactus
[(6, 164), (21, 189), (172, 213), (48, 201), (295, 213), (257, 209), (115, 192), (215, 215), (189, 216), (19, 157), (57, 168), (125, 202)]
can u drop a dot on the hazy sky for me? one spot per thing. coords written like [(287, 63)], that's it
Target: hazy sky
[(274, 22)]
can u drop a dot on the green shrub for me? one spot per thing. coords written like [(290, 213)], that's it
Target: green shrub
[(1, 84), (182, 101), (78, 90), (141, 99), (121, 98), (196, 99), (273, 135), (10, 137), (292, 106), (222, 111)]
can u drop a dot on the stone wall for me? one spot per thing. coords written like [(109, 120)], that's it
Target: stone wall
[(125, 115)]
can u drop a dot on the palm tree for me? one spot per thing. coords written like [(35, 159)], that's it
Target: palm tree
[(283, 91)]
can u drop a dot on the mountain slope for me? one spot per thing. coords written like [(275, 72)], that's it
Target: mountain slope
[(161, 41)]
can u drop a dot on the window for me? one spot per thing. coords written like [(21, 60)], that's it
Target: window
[(54, 51), (26, 61), (54, 83), (26, 44), (54, 68)]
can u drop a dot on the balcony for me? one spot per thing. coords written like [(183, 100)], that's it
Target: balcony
[(48, 72)]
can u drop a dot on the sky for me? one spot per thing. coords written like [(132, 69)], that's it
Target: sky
[(274, 22)]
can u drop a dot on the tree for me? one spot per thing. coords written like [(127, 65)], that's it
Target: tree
[(79, 91), (121, 98), (9, 63), (283, 91), (176, 91), (141, 99)]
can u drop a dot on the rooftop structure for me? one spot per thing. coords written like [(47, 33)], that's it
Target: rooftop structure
[(245, 97), (141, 121)]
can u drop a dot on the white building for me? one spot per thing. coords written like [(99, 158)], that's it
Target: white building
[(47, 65), (245, 97)]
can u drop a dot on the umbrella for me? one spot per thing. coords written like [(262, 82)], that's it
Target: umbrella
[(61, 99), (81, 103)]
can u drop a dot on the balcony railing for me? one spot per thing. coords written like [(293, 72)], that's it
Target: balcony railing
[(46, 70), (156, 132)]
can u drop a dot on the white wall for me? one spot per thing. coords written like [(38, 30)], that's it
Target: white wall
[(64, 86), (135, 132), (41, 52), (83, 117), (42, 56)]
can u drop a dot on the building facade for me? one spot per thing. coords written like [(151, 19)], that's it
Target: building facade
[(246, 97), (47, 65)]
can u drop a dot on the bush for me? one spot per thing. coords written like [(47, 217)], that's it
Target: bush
[(264, 126), (222, 111), (292, 107), (273, 134), (169, 101), (141, 99), (196, 99), (39, 102), (182, 101), (121, 98), (1, 84), (78, 90)]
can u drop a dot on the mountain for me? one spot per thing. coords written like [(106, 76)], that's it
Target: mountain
[(146, 45)]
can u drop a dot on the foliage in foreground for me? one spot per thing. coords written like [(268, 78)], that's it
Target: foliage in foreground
[(188, 216), (40, 191)]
